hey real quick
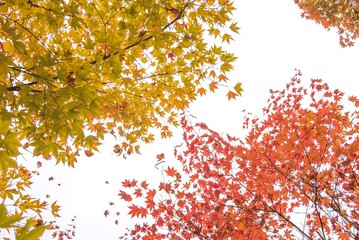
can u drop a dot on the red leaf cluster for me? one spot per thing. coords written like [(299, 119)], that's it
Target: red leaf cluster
[(302, 156)]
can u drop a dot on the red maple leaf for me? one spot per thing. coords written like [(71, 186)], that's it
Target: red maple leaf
[(144, 184), (137, 193), (171, 56), (307, 140), (106, 213), (123, 195), (136, 211), (171, 171), (128, 184)]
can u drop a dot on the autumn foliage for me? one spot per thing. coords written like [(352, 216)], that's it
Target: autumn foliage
[(342, 15), (294, 175), (73, 71)]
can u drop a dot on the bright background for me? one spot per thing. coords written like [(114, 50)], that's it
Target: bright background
[(273, 41)]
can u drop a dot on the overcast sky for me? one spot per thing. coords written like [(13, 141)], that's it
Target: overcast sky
[(273, 41)]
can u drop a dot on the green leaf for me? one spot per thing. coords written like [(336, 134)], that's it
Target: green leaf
[(34, 234), (20, 47), (9, 221), (23, 230), (4, 65), (11, 144), (4, 127), (88, 44), (3, 211), (6, 161)]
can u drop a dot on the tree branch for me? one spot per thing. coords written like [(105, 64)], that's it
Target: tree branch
[(180, 15), (27, 30), (105, 57)]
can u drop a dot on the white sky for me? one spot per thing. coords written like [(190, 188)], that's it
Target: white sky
[(273, 41)]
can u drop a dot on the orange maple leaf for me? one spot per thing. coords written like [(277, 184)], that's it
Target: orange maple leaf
[(171, 171), (231, 95)]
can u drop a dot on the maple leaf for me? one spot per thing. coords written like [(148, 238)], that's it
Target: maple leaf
[(231, 95), (85, 82), (133, 182), (55, 209), (106, 213), (151, 194), (292, 154), (123, 195), (355, 100), (128, 184), (138, 192), (150, 204), (160, 156), (124, 104), (213, 86), (202, 91), (171, 56), (171, 171), (222, 78), (212, 74), (144, 184), (238, 88), (136, 211)]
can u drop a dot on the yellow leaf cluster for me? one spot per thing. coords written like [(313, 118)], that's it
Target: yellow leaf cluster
[(88, 58), (72, 72), (13, 186)]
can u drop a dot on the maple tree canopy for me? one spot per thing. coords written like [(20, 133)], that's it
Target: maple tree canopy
[(293, 176), (342, 15), (73, 71)]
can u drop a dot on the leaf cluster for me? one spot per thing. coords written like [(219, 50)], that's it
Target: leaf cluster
[(302, 156), (342, 15), (72, 72)]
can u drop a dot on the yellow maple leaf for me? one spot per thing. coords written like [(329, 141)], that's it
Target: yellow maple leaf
[(238, 88), (55, 209)]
